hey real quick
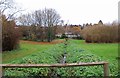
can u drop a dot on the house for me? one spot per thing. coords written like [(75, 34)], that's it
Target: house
[(71, 31)]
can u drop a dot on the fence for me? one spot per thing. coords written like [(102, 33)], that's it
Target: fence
[(105, 66)]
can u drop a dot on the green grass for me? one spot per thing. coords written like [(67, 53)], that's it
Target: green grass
[(24, 50), (108, 51)]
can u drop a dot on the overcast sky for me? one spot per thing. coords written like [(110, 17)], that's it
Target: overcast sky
[(77, 11)]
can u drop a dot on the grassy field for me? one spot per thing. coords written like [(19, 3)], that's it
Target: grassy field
[(27, 48), (77, 51), (108, 51)]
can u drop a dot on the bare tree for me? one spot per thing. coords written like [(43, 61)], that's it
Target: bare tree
[(9, 8), (27, 19), (38, 17), (6, 4), (50, 19), (39, 23), (44, 21), (22, 20)]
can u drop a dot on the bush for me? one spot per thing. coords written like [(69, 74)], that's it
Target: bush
[(63, 36), (100, 34), (10, 35)]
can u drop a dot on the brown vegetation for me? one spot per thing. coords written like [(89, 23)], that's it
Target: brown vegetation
[(33, 42), (101, 33), (10, 35)]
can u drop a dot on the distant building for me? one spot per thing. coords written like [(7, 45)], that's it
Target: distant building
[(70, 31), (100, 23)]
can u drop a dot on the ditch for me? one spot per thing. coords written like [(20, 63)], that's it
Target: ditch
[(64, 55), (62, 60)]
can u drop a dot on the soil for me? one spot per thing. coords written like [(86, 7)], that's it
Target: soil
[(34, 42)]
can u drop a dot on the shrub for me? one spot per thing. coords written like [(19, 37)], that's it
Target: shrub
[(100, 34), (63, 36), (10, 35)]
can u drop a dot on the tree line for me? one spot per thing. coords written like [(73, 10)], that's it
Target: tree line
[(39, 25)]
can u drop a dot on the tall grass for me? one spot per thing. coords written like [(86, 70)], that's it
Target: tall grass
[(101, 34)]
